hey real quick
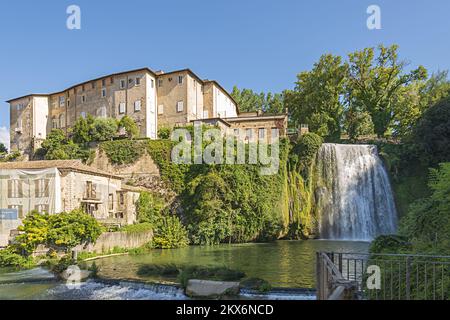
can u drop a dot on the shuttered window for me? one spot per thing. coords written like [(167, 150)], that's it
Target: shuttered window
[(137, 105), (42, 188), (15, 189), (122, 108), (180, 106)]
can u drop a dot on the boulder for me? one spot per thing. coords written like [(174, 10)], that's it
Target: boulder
[(207, 288), (74, 274)]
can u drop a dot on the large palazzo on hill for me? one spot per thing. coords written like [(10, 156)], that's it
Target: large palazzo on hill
[(154, 99)]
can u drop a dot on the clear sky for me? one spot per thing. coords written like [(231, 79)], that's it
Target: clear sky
[(260, 45)]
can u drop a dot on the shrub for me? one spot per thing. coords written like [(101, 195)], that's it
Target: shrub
[(164, 133), (123, 151), (9, 257), (60, 231), (170, 233), (130, 127), (305, 150)]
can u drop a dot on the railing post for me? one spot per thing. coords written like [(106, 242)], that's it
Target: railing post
[(408, 278), (318, 280)]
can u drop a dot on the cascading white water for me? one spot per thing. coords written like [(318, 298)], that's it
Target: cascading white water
[(354, 195)]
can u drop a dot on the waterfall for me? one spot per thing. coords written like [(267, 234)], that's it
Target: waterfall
[(354, 196)]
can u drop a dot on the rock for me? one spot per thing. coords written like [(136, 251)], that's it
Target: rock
[(74, 274), (207, 288)]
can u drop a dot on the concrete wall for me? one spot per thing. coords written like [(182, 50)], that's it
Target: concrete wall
[(107, 241)]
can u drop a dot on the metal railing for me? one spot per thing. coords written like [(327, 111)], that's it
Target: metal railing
[(330, 283), (395, 276)]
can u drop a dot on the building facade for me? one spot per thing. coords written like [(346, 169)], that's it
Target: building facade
[(61, 186), (152, 99)]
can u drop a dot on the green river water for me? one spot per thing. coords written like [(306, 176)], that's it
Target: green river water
[(284, 264)]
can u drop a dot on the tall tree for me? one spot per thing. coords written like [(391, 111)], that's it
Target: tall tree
[(318, 97), (377, 83), (249, 101)]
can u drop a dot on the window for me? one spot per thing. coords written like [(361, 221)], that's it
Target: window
[(111, 202), (93, 85), (62, 120), (62, 101), (15, 188), (103, 82), (160, 83), (236, 132), (101, 112), (137, 81), (41, 188), (82, 88), (83, 114), (137, 105), (121, 199), (180, 106), (122, 108), (68, 103), (112, 80), (152, 83), (249, 134), (103, 93), (83, 98), (262, 133), (91, 190), (161, 109), (274, 134), (55, 123), (180, 79), (122, 84), (205, 114)]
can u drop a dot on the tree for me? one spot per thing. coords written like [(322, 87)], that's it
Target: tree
[(317, 99), (432, 133), (82, 130), (58, 147), (3, 149), (103, 129), (130, 126), (377, 83), (249, 101)]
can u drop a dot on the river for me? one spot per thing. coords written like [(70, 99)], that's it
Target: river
[(284, 264)]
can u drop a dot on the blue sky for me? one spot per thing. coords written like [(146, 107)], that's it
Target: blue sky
[(260, 45)]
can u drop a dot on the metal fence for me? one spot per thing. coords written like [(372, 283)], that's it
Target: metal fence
[(395, 276)]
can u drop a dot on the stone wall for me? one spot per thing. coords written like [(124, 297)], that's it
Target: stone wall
[(126, 240), (144, 166), (108, 241)]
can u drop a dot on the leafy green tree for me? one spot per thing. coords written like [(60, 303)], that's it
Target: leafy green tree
[(357, 123), (103, 129), (3, 149), (58, 147), (250, 101), (377, 82), (432, 133), (130, 126), (82, 130), (427, 223), (170, 233), (60, 231), (317, 99)]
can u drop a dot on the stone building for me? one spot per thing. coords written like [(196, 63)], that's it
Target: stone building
[(61, 186), (153, 99)]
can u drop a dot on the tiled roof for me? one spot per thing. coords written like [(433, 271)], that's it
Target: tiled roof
[(70, 165)]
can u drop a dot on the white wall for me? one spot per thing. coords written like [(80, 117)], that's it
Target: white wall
[(40, 117), (224, 107), (151, 115)]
